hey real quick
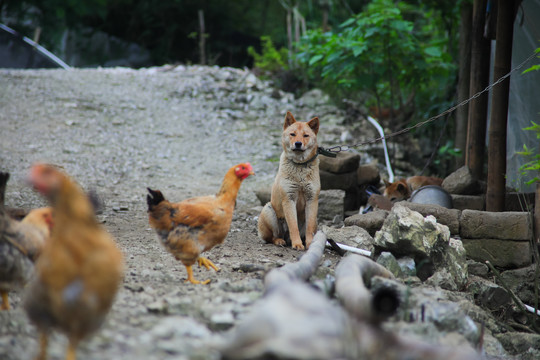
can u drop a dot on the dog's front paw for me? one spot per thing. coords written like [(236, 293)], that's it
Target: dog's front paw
[(298, 246), (279, 242)]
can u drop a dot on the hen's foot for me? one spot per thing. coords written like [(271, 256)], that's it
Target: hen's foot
[(207, 263), (192, 280)]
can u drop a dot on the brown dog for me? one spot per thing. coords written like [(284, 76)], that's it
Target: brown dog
[(294, 203), (403, 188)]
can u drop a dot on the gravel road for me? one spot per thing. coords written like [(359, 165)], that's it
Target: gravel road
[(177, 129)]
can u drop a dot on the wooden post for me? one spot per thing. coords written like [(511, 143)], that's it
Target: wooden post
[(480, 60), (496, 183), (464, 79), (537, 215), (202, 39)]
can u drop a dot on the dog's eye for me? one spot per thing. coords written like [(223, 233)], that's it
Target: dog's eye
[(306, 135), (293, 134)]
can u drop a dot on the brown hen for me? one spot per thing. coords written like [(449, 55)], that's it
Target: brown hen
[(80, 268), (195, 225), (20, 244)]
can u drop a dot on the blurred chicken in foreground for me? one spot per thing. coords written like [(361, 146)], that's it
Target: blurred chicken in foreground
[(80, 268), (196, 225), (21, 243)]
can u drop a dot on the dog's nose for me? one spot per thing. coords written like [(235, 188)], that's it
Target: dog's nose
[(298, 144)]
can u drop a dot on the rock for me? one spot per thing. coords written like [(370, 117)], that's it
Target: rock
[(388, 260), (368, 174), (518, 343), (471, 202), (451, 264), (178, 335), (331, 203), (488, 294), (371, 221), (407, 232), (313, 99), (461, 182), (342, 181), (495, 225), (380, 202), (344, 162), (350, 235), (448, 217), (501, 253), (407, 265), (477, 268), (522, 283), (222, 321)]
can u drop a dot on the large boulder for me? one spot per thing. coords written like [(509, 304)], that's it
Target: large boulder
[(461, 182), (445, 216), (507, 254), (350, 235), (407, 232), (510, 225), (371, 221)]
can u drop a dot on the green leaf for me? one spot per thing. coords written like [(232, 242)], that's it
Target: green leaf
[(433, 51), (314, 59)]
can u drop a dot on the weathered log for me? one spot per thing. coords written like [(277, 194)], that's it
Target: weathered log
[(300, 270), (352, 275)]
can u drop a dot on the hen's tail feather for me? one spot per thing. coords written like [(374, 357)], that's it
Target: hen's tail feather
[(154, 198)]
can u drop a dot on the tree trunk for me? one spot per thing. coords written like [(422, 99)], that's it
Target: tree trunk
[(480, 61), (464, 79), (496, 184)]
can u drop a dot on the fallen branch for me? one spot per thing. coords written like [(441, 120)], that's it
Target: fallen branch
[(352, 275), (300, 270)]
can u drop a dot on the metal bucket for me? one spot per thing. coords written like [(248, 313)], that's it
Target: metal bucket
[(432, 194)]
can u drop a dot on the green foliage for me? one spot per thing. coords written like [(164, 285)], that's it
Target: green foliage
[(531, 167), (270, 60), (534, 67), (389, 51), (446, 156)]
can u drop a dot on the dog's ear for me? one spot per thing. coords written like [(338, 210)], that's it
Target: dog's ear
[(314, 124), (386, 183), (403, 189), (289, 120)]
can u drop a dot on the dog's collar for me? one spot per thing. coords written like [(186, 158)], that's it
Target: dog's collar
[(305, 163), (320, 150)]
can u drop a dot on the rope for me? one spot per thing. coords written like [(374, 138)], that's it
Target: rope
[(340, 148)]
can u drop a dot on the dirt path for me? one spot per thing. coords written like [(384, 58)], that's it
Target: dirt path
[(119, 131)]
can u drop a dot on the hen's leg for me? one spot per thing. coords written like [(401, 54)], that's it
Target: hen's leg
[(191, 279), (206, 263), (5, 300), (43, 344), (71, 353)]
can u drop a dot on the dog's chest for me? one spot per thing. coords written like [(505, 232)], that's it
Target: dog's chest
[(300, 178)]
